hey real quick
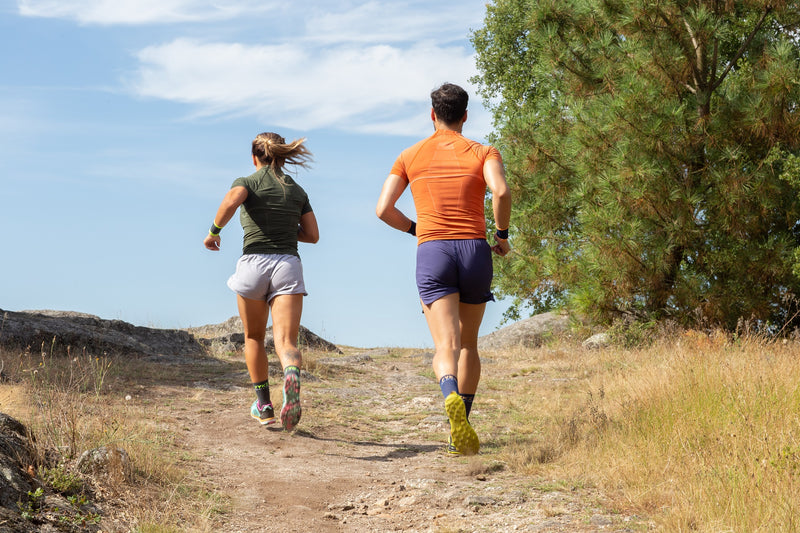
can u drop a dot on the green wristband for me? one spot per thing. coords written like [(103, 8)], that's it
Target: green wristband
[(214, 227)]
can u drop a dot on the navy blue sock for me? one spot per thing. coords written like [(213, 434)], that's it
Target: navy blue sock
[(448, 384), (262, 392), (468, 399)]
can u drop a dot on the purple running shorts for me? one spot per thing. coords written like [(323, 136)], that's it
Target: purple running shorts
[(448, 266)]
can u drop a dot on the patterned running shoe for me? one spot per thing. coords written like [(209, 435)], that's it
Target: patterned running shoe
[(265, 415), (451, 449), (464, 438), (291, 410)]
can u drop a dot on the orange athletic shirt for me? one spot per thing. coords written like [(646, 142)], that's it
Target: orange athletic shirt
[(445, 172)]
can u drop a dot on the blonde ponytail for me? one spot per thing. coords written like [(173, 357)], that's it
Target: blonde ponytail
[(272, 150)]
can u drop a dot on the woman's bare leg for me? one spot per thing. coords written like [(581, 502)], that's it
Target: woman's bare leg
[(254, 315), (286, 312)]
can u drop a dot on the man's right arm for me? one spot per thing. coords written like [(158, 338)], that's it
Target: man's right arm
[(495, 176), (386, 209)]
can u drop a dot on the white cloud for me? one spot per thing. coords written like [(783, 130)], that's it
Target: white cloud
[(354, 65), (132, 12), (357, 88), (385, 22)]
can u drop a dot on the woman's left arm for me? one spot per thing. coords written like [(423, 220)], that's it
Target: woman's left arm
[(308, 230)]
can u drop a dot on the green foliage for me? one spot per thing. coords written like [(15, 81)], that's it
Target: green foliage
[(634, 334), (62, 480), (30, 508), (76, 515), (652, 150)]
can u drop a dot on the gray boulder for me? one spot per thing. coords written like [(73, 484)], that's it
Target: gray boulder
[(530, 332), (16, 455), (229, 336), (597, 341), (105, 462)]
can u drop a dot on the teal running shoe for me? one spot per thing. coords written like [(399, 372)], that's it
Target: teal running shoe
[(264, 414)]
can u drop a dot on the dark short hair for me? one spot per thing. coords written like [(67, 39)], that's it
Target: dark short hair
[(449, 103)]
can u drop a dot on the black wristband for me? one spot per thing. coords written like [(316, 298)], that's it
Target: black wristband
[(502, 234), (214, 229), (413, 229)]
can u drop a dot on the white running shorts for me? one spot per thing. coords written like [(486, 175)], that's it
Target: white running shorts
[(265, 276)]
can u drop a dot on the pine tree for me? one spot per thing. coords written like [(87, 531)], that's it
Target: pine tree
[(651, 146)]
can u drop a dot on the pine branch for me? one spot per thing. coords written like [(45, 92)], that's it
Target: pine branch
[(716, 83), (689, 52)]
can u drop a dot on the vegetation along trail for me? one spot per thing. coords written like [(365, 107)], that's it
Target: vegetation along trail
[(658, 431)]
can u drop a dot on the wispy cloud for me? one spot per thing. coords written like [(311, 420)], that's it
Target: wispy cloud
[(390, 22), (344, 87), (135, 12), (363, 66)]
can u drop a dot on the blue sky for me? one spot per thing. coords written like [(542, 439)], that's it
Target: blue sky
[(124, 123)]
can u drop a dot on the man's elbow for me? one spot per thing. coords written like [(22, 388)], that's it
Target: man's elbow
[(503, 194)]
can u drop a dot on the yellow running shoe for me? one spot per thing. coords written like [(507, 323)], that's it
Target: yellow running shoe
[(451, 450), (464, 438)]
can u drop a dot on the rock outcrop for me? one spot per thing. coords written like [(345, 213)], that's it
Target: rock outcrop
[(59, 332), (529, 332), (229, 336), (16, 456)]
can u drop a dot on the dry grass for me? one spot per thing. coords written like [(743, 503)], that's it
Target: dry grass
[(699, 432), (78, 402), (72, 404)]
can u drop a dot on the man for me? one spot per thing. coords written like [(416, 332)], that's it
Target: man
[(449, 175)]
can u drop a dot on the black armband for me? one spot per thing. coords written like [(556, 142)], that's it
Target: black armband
[(214, 229), (413, 229), (502, 234)]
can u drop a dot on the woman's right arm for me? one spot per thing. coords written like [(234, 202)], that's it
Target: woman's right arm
[(233, 199)]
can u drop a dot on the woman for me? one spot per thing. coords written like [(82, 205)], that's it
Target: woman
[(275, 215)]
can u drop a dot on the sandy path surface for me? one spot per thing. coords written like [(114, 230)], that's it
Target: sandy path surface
[(368, 455)]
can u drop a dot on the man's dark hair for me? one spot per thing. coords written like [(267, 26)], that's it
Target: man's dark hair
[(449, 103)]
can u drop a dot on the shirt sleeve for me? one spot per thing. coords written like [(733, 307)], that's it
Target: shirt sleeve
[(493, 153), (306, 207), (242, 182), (399, 168)]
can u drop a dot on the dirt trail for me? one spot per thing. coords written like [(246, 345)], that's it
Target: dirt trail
[(368, 455)]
